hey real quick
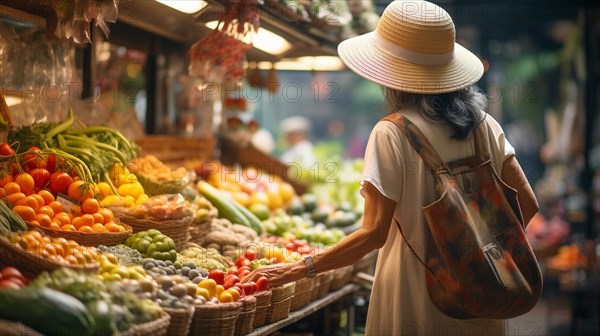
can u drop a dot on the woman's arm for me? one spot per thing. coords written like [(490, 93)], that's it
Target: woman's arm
[(513, 175), (379, 212)]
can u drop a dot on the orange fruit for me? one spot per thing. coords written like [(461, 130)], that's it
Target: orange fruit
[(71, 259), (98, 218), (46, 209), (14, 198), (85, 228), (55, 225), (39, 199), (50, 249), (75, 221), (31, 202), (90, 206), (44, 220), (80, 191), (12, 187), (47, 196), (107, 214), (75, 209), (99, 228), (56, 206), (113, 227), (7, 178), (34, 222), (2, 192), (87, 220), (26, 182), (62, 218), (59, 248), (25, 212), (68, 227)]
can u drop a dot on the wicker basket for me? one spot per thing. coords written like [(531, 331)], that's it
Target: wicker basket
[(181, 319), (87, 238), (316, 285), (263, 301), (154, 188), (30, 264), (325, 283), (341, 276), (215, 319), (245, 321), (176, 229), (302, 293), (281, 302), (10, 328), (157, 327), (199, 231)]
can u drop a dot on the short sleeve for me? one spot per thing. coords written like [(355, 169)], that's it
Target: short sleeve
[(383, 165), (497, 137)]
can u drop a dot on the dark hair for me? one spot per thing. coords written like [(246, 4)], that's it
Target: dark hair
[(461, 110)]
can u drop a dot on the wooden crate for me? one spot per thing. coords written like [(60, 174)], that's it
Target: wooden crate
[(175, 149)]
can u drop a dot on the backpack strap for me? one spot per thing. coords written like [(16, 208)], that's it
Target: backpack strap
[(482, 145), (419, 142)]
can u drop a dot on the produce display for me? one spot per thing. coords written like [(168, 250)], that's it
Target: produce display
[(59, 250), (67, 179)]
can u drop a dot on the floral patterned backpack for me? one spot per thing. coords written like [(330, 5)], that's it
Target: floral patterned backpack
[(479, 263)]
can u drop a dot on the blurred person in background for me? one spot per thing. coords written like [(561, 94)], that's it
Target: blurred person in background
[(296, 130)]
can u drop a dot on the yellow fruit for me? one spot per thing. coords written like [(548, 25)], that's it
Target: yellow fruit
[(142, 199), (131, 189), (105, 189), (242, 198), (220, 289), (287, 192), (111, 201), (210, 285), (226, 297), (275, 200), (259, 197), (203, 292), (234, 294)]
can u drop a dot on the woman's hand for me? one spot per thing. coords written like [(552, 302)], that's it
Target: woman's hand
[(278, 274)]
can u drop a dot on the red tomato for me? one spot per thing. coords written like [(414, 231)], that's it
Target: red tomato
[(60, 182), (41, 176), (14, 168), (33, 160), (230, 281), (233, 271), (6, 150), (242, 261), (218, 276), (250, 254), (262, 284), (291, 246), (244, 268), (244, 273), (249, 288), (51, 163)]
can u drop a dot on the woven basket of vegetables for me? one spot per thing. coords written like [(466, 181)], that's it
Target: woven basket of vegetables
[(263, 301), (181, 319), (302, 293), (341, 276), (31, 264), (215, 319), (157, 327), (281, 302), (245, 321), (88, 238), (325, 283), (153, 187)]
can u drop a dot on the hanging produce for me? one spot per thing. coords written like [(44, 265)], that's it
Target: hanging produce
[(75, 17), (219, 57)]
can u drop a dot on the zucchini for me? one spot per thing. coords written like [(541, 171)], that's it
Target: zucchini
[(11, 221), (225, 206), (47, 311)]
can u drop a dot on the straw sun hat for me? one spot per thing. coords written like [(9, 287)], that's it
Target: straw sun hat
[(413, 50)]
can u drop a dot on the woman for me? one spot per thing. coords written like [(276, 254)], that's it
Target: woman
[(429, 79)]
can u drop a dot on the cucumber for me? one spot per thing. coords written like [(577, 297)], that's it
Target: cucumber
[(11, 221), (255, 223), (225, 206), (48, 311)]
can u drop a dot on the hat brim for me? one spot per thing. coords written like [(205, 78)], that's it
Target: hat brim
[(362, 56)]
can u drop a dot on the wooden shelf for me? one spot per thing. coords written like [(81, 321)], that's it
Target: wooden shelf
[(311, 308)]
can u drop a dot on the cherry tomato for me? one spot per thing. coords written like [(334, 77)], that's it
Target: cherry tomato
[(262, 284), (41, 176), (26, 182), (218, 276), (250, 254), (34, 160), (60, 182), (242, 261), (6, 150)]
